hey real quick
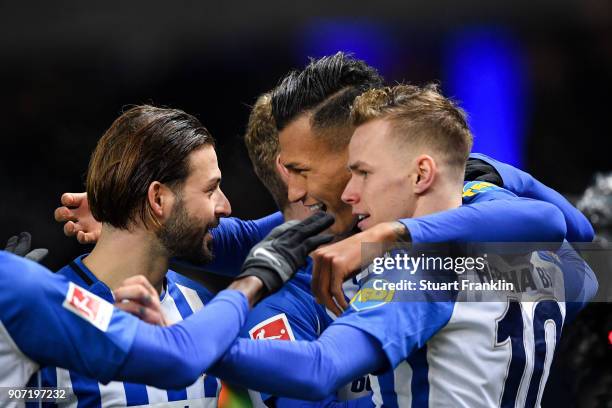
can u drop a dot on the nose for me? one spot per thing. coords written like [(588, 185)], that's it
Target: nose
[(350, 195), (296, 187), (223, 208)]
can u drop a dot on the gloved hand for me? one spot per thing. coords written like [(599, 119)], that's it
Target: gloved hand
[(21, 245), (479, 170), (276, 259)]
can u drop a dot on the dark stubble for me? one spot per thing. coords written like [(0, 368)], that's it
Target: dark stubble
[(184, 236)]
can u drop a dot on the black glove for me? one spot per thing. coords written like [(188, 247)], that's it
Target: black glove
[(479, 170), (21, 245), (276, 259)]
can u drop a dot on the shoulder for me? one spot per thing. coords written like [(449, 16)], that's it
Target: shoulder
[(77, 272), (27, 280), (474, 191)]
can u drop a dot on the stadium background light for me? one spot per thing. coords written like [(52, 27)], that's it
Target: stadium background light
[(367, 40), (485, 70)]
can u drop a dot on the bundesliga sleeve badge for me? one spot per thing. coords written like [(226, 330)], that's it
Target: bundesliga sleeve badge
[(275, 328), (88, 306)]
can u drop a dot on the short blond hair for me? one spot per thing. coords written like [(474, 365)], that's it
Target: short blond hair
[(419, 115)]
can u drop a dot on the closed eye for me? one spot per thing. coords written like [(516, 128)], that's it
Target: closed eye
[(361, 173), (213, 188), (295, 167)]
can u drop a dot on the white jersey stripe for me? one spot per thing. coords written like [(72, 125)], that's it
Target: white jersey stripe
[(194, 301), (63, 380), (172, 315), (196, 390), (171, 312), (14, 362), (551, 344), (155, 395), (376, 397), (403, 383), (112, 394)]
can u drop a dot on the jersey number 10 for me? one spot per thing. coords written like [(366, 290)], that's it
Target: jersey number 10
[(510, 327)]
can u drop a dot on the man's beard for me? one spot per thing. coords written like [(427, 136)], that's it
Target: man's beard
[(184, 236)]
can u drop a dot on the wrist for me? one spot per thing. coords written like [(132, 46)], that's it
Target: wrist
[(251, 286), (391, 232)]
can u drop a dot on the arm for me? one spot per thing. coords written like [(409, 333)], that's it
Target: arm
[(525, 185), (359, 342), (324, 364), (269, 265), (489, 214), (286, 315), (500, 220), (65, 316), (185, 350), (82, 332), (290, 315)]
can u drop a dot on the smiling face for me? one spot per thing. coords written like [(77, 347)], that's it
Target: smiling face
[(316, 173), (197, 208), (381, 187)]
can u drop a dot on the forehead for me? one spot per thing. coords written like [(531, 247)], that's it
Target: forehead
[(371, 141), (296, 138), (299, 144), (203, 163)]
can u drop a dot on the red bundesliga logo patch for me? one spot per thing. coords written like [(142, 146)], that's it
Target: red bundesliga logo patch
[(88, 306), (275, 328), (84, 303)]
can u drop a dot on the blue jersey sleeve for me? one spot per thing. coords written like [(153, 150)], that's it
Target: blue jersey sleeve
[(379, 330), (234, 238), (292, 314), (186, 349), (402, 321), (490, 214), (525, 185), (78, 330), (84, 333), (308, 370)]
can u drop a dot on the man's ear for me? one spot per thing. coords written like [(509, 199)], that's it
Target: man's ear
[(426, 170), (160, 199)]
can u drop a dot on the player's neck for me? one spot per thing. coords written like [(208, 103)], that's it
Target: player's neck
[(120, 254), (438, 198)]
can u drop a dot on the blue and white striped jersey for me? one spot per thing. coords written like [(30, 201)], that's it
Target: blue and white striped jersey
[(181, 297), (465, 353)]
